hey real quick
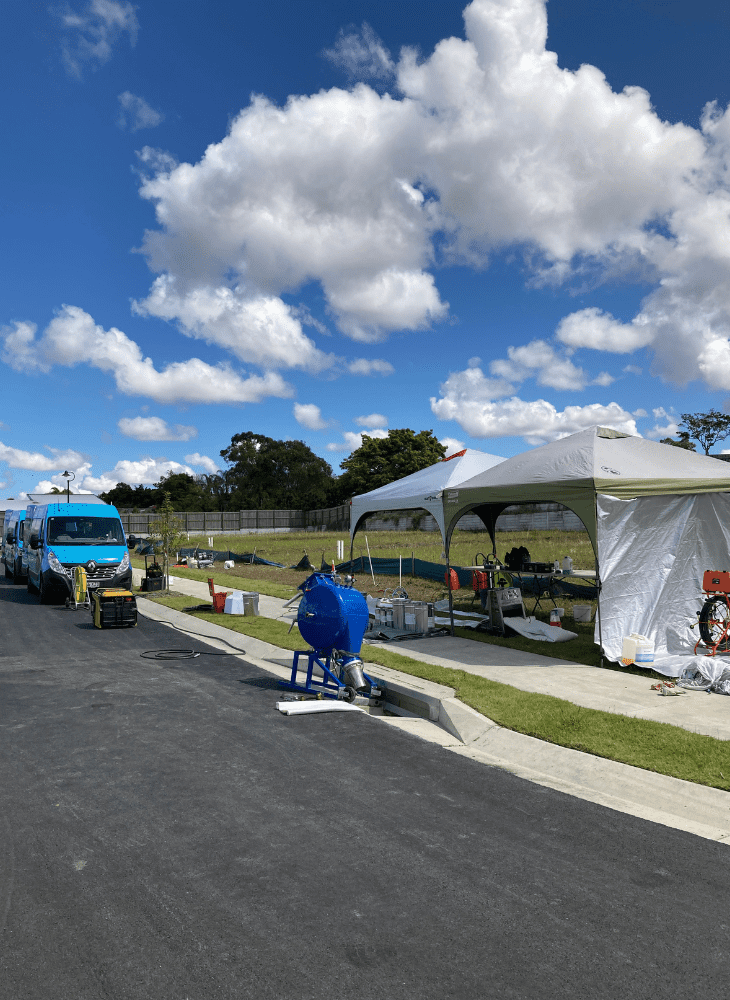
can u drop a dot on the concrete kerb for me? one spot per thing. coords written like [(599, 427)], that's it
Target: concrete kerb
[(443, 719)]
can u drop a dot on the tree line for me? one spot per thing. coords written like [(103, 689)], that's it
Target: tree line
[(262, 473)]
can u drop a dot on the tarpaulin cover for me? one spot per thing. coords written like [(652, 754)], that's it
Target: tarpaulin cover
[(221, 555), (653, 552), (411, 567)]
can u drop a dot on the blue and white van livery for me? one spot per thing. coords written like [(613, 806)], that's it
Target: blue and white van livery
[(65, 535), (12, 544)]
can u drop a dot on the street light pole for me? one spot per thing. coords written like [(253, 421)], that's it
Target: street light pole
[(68, 476)]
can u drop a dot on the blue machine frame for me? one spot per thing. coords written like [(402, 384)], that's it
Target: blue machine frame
[(331, 686)]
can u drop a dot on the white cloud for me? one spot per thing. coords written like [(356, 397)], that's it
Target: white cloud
[(372, 420), (203, 462), (633, 370), (539, 359), (362, 55), (351, 440), (136, 113), (452, 445), (155, 429), (144, 471), (36, 461), (599, 330), (488, 144), (256, 328), (90, 36), (474, 402), (669, 429), (366, 366), (309, 415), (72, 338)]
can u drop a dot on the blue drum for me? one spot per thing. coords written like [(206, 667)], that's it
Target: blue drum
[(331, 616)]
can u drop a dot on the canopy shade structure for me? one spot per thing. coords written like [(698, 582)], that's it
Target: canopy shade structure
[(575, 469), (423, 489)]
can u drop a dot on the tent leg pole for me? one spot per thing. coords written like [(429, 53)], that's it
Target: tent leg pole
[(451, 593)]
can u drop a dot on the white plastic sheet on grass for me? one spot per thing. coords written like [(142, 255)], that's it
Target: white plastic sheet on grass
[(652, 556)]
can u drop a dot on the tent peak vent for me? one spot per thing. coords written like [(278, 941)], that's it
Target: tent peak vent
[(609, 432)]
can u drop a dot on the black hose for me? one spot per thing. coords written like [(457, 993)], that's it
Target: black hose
[(188, 654)]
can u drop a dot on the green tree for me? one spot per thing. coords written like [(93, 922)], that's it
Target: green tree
[(124, 495), (379, 461), (707, 428), (267, 474), (167, 532), (683, 442), (186, 492)]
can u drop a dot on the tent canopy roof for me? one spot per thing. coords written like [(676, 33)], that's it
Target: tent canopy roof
[(423, 489), (572, 470)]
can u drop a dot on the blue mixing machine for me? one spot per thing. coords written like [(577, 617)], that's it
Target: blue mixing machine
[(333, 620)]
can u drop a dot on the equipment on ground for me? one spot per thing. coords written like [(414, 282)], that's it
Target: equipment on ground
[(714, 616), (153, 576), (502, 605), (333, 620), (113, 608), (80, 597)]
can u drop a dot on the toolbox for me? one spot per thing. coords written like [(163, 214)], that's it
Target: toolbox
[(113, 608)]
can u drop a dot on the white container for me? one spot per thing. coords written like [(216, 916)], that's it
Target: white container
[(567, 565), (637, 649), (581, 612), (234, 603), (556, 566), (228, 564), (242, 602)]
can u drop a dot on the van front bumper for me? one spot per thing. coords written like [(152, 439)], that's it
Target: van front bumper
[(64, 584)]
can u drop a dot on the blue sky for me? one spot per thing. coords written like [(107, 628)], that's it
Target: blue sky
[(503, 222)]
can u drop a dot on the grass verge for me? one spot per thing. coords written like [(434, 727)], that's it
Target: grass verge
[(653, 746)]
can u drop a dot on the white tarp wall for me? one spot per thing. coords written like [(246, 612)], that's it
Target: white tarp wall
[(652, 556)]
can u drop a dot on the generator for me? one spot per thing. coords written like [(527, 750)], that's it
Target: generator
[(113, 608), (503, 603)]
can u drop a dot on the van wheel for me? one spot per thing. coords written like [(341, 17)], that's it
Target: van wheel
[(17, 575), (31, 588), (8, 574), (42, 592)]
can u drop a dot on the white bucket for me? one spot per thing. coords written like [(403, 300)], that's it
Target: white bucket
[(228, 564), (581, 612), (637, 649)]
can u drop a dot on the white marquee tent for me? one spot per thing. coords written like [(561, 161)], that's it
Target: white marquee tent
[(423, 490), (657, 516)]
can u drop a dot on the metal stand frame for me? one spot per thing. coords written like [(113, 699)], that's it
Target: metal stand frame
[(331, 686)]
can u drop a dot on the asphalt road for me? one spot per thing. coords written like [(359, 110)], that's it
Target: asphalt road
[(165, 834)]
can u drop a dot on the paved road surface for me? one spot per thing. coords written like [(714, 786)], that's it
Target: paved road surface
[(165, 834)]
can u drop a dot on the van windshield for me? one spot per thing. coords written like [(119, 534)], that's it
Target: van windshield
[(84, 531)]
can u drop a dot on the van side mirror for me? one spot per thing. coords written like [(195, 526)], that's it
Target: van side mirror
[(131, 541), (34, 544), (9, 538)]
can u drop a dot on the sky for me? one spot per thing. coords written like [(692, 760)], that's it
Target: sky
[(503, 222)]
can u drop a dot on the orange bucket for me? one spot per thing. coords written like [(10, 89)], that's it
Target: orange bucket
[(219, 603)]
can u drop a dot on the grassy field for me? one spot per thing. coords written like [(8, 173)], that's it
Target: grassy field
[(544, 546), (653, 746)]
